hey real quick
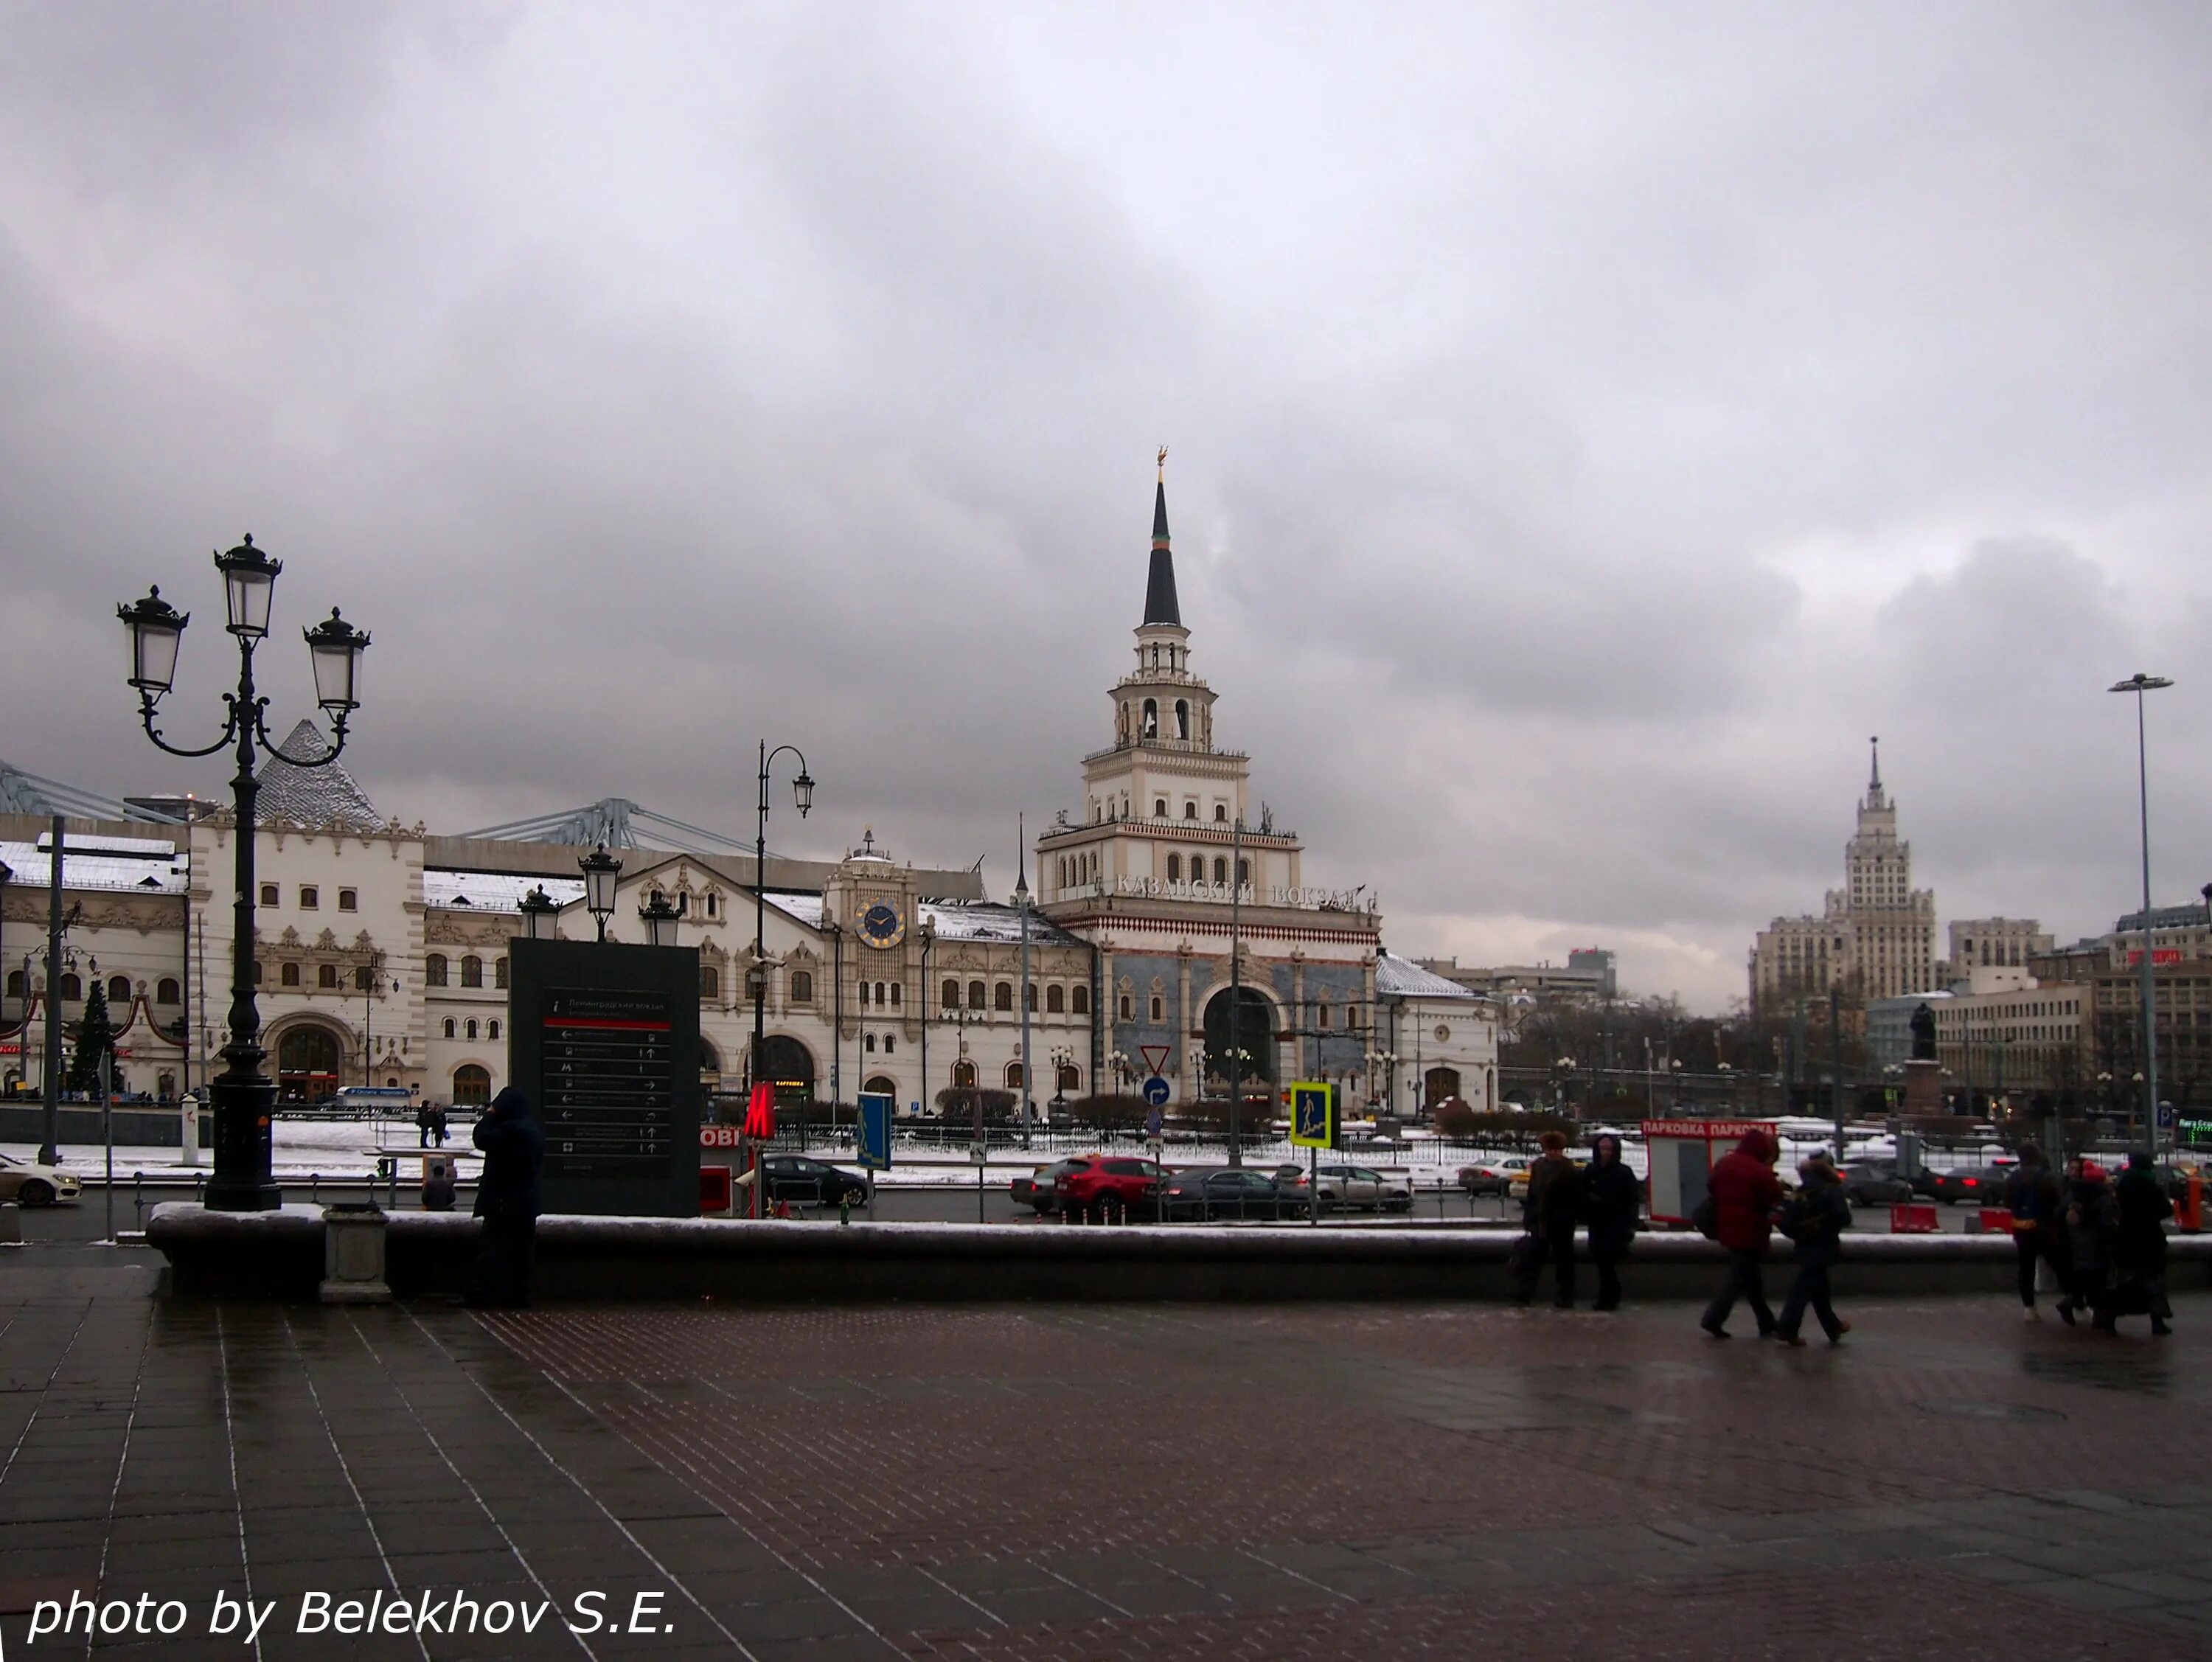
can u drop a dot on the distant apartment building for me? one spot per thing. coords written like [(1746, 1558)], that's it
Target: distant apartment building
[(1983, 943), (1591, 972), (1874, 937)]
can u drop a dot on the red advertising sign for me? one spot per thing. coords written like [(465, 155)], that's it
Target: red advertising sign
[(720, 1136), (1706, 1128), (760, 1112), (2158, 955)]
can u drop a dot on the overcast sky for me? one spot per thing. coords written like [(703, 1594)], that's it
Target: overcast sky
[(1590, 423)]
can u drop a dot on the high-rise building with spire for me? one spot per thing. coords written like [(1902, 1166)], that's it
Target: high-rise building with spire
[(1165, 864), (1875, 937)]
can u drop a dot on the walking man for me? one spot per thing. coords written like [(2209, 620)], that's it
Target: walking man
[(1549, 1214), (1744, 1191), (2038, 1205), (1612, 1203), (2139, 1244), (1823, 1212), (2091, 1220)]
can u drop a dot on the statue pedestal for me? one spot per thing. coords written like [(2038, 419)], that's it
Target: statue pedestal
[(1924, 1088)]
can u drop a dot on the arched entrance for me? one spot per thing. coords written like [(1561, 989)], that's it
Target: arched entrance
[(881, 1086), (308, 1058), (471, 1086), (1439, 1084), (790, 1065), (1251, 1028), (964, 1075)]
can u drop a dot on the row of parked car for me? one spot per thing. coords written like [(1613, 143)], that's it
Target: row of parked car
[(1092, 1185)]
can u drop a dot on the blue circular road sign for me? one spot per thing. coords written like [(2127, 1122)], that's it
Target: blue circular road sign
[(1157, 1092)]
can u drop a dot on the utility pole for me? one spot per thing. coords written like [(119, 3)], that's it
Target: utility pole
[(49, 1148), (1235, 987), (1835, 1064), (1022, 900)]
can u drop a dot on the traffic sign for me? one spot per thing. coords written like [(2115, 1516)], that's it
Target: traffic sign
[(1313, 1115), (1157, 1092), (876, 1131), (1155, 1055)]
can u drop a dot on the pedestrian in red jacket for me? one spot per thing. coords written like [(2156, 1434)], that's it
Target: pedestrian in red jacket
[(1745, 1192)]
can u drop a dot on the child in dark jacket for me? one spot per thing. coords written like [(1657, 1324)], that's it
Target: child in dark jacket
[(1823, 1212)]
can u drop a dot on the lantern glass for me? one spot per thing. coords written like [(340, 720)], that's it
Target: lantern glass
[(537, 914), (249, 583), (802, 790), (156, 630), (601, 871), (660, 920), (335, 647)]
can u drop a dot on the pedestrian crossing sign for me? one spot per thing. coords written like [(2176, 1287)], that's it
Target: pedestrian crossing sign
[(1313, 1116)]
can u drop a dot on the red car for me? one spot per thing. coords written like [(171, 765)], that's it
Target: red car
[(1107, 1184)]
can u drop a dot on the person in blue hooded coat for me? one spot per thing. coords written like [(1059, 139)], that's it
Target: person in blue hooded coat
[(507, 1201)]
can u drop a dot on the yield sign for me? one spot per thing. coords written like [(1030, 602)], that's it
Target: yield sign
[(1155, 1057)]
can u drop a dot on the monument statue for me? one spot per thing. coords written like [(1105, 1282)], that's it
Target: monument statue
[(1924, 1034)]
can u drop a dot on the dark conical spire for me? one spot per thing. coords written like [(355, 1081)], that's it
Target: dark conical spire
[(1160, 604)]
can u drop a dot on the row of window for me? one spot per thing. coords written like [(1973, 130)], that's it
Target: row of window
[(165, 990), (470, 1029), (436, 971), (1156, 1009), (311, 898), (965, 1076), (1057, 1000)]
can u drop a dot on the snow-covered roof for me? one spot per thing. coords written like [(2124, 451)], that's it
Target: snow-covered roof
[(806, 908), (494, 892), (312, 796), (32, 868), (988, 920), (1400, 977)]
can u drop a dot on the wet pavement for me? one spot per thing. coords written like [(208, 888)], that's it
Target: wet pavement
[(1052, 1481)]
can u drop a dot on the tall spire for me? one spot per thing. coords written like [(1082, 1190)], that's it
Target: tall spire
[(1874, 783), (1160, 605)]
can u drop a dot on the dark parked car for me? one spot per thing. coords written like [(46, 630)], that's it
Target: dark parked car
[(1979, 1186), (804, 1182), (1875, 1183), (1038, 1189), (1227, 1193)]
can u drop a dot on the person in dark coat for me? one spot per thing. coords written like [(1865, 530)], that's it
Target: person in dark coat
[(2141, 1207), (1822, 1213), (2091, 1219), (1549, 1214), (1744, 1191), (1613, 1205), (438, 1124), (507, 1200), (2038, 1205)]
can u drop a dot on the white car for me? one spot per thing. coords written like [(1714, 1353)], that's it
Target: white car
[(29, 1184), (1361, 1185)]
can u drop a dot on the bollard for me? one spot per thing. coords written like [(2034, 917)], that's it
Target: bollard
[(11, 1224), (353, 1254)]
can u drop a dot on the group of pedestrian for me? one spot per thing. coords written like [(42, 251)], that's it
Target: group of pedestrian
[(1748, 1205), (2104, 1243), (430, 1125), (1605, 1197)]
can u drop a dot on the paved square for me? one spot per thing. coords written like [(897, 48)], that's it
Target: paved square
[(1015, 1482)]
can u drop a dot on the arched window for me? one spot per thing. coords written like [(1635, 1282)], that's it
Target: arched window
[(1221, 814), (802, 986), (1182, 719), (472, 1029), (1003, 996), (1013, 1076), (434, 970), (1175, 868), (288, 975), (880, 999), (1159, 807), (898, 993), (472, 970), (949, 996), (269, 894), (713, 904), (364, 978), (499, 973), (1321, 1016), (890, 1042), (1351, 1017), (868, 1043), (1078, 999), (449, 1026), (1055, 999), (118, 989), (491, 1030), (1190, 810), (348, 900), (1070, 1078), (1244, 872), (1159, 1007), (72, 988), (1197, 866), (964, 1075), (1030, 997), (1129, 1008), (326, 976), (1220, 870), (1152, 727), (710, 981), (472, 1087), (974, 995), (310, 897), (15, 986)]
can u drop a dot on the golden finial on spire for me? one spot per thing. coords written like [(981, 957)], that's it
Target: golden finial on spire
[(1164, 464)]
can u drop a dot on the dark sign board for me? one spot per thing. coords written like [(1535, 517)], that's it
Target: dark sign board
[(603, 1037)]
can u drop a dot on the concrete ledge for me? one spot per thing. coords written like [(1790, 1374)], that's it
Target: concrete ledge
[(633, 1260)]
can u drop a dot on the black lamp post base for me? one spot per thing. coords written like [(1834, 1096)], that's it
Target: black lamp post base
[(243, 1180)]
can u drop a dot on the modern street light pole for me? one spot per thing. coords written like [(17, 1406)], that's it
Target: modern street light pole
[(243, 1094), (50, 1130), (2139, 684), (802, 789), (1237, 989), (1029, 1080)]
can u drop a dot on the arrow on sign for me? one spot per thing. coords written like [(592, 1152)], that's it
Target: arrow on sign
[(1155, 1055)]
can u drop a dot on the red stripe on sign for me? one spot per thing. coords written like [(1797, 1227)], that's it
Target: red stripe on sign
[(601, 1022)]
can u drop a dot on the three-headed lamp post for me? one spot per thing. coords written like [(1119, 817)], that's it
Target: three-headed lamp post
[(243, 1095)]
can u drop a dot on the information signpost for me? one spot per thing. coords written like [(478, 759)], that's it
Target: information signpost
[(1678, 1155), (1313, 1128), (603, 1037)]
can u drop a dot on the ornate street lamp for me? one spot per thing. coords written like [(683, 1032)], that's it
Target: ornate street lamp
[(601, 871), (244, 1096), (660, 920), (539, 911), (802, 792)]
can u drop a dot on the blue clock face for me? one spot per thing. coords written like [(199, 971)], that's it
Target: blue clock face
[(881, 925)]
